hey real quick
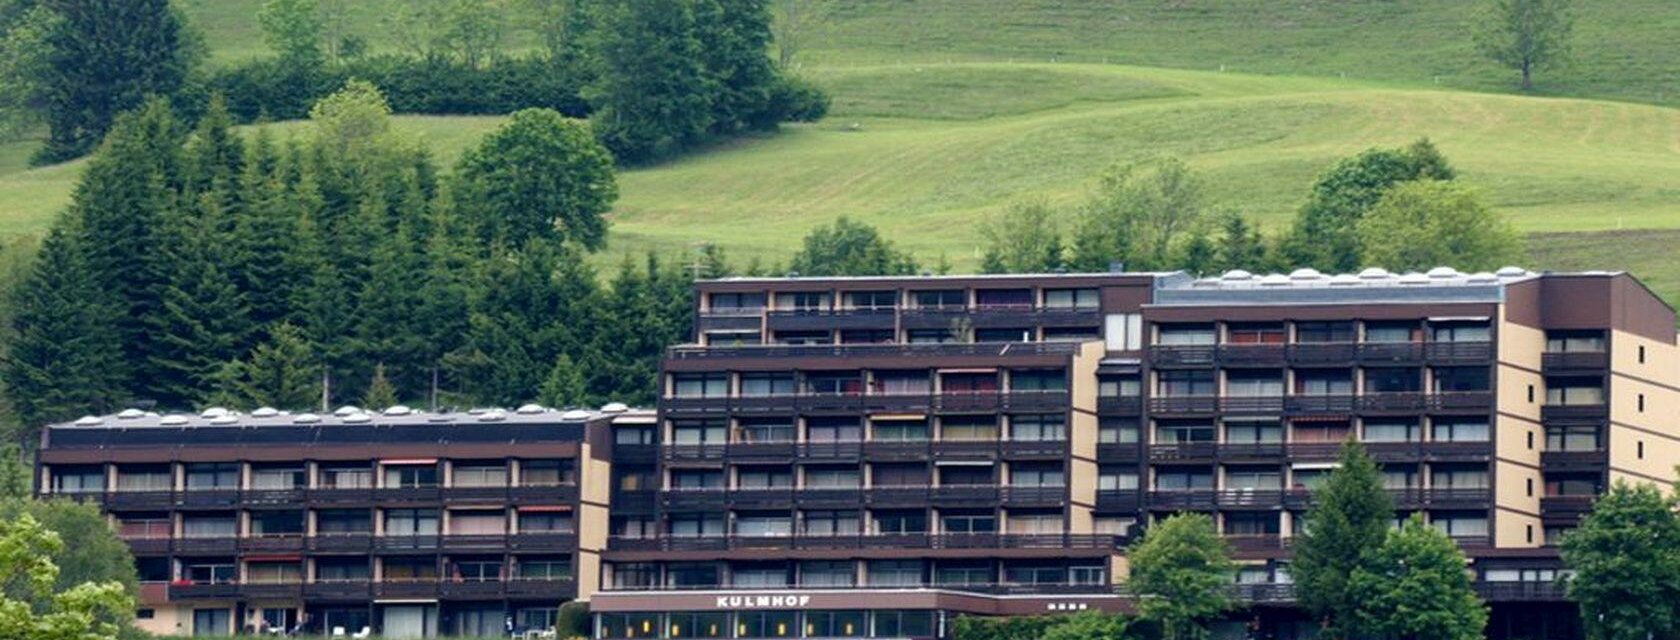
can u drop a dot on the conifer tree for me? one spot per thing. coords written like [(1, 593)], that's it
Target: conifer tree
[(264, 236), (1240, 245), (734, 36), (201, 320), (65, 357), (1349, 518), (280, 373), (380, 393), (564, 386), (214, 155), (651, 93)]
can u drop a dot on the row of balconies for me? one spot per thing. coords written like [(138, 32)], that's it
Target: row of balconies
[(1276, 593), (1317, 404), (870, 541), (544, 589), (874, 449), (1000, 350), (917, 318), (1327, 353), (257, 498), (950, 401), (350, 543), (948, 496), (1298, 499), (1417, 451)]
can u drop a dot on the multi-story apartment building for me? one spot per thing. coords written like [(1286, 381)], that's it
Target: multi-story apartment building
[(407, 523), (871, 456)]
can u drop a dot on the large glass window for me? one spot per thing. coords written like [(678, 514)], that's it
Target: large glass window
[(343, 521), (968, 427), (893, 573), (959, 573), (764, 478), (833, 429), (759, 385), (346, 477), (1458, 477), (411, 476), (1004, 298), (1460, 430), (1575, 341), (547, 473), (479, 475), (1036, 475), (207, 476), (1574, 391), (1083, 299), (1324, 332), (848, 383), (692, 432), (1253, 432), (765, 430), (826, 573), (830, 523), (1460, 524), (411, 522), (696, 525), (699, 385), (1393, 380), (759, 576), (802, 301), (1179, 479), (1174, 335), (1266, 478), (1038, 427), (968, 523), (899, 475), (1324, 382), (901, 382), (872, 300), (274, 478), (1581, 437), (1393, 332), (1034, 524), (541, 568), (1584, 485), (1183, 432), (1038, 380), (1119, 387), (899, 522), (1255, 333), (1461, 379), (940, 299), (209, 526), (1117, 479), (834, 624), (1392, 430), (833, 478), (742, 302), (1254, 384), (78, 480), (903, 624), (965, 475), (545, 522), (1469, 331), (1175, 383), (1117, 431), (1250, 523), (899, 430)]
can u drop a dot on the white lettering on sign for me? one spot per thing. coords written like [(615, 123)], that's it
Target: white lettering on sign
[(1066, 606), (788, 601)]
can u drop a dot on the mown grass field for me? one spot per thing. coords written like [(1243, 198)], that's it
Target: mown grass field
[(948, 110)]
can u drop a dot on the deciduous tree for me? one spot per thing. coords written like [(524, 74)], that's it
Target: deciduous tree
[(1024, 238), (1525, 35), (1424, 224), (1325, 233), (87, 611), (1626, 559), (540, 176), (1415, 587), (1180, 570), (848, 248)]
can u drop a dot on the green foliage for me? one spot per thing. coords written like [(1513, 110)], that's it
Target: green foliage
[(201, 320), (1415, 585), (1137, 215), (280, 373), (1525, 35), (734, 36), (1180, 569), (1022, 239), (1086, 625), (380, 393), (1427, 223), (848, 248), (540, 176), (651, 94), (1325, 233), (1240, 245), (1626, 559), (1091, 625), (35, 607), (24, 27), (1348, 519), (573, 620), (103, 58), (16, 473), (292, 28), (466, 31)]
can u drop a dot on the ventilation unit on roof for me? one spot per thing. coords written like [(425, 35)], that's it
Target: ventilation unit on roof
[(89, 421), (130, 414), (398, 410), (529, 409), (357, 418), (575, 414), (493, 415), (346, 410), (224, 419), (265, 412), (173, 420), (1305, 274), (1440, 273), (213, 412), (306, 418), (1237, 274), (614, 407), (1511, 272), (1374, 273)]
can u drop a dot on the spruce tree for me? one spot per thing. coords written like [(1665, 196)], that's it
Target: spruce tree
[(651, 93), (280, 373), (564, 386), (1349, 518), (201, 320), (65, 357), (105, 57), (1240, 245), (215, 154), (380, 393), (264, 237), (734, 36)]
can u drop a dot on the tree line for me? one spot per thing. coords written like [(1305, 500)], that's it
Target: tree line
[(662, 76), (1401, 209), (196, 266)]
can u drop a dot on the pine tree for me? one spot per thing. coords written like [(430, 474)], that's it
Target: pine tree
[(280, 373), (385, 323), (734, 36), (201, 321), (564, 386), (651, 93), (380, 393), (264, 237), (1240, 245), (1349, 518), (215, 155), (65, 357)]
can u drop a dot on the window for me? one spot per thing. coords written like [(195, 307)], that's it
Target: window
[(337, 569), (1004, 298), (411, 476), (1326, 431), (1402, 430), (1185, 335), (343, 522), (1392, 332), (969, 523), (732, 338), (1183, 432), (634, 436), (1324, 332), (1018, 334), (1252, 334), (211, 476), (547, 473), (1037, 380), (833, 478), (634, 575), (1399, 477), (78, 480), (282, 478), (1331, 382), (764, 430), (1114, 387), (1248, 523), (1253, 432), (1047, 427), (893, 573), (209, 526), (1458, 524), (817, 337), (1113, 525), (1111, 479), (1181, 479), (952, 572), (696, 525), (1460, 430), (1036, 475), (833, 429), (760, 385), (899, 475), (1574, 341), (941, 299), (358, 477), (901, 382), (276, 523), (899, 522), (411, 522), (954, 476), (802, 301), (934, 336), (144, 478), (1191, 383), (1262, 478), (1461, 379), (866, 336), (835, 624), (899, 430), (1308, 478), (1393, 380), (975, 427), (545, 522), (699, 385), (1573, 485), (1123, 331), (1035, 524), (480, 475), (1574, 391), (1254, 384), (540, 568), (821, 573), (872, 300), (903, 624), (1476, 331), (692, 576), (848, 383), (1458, 477), (764, 478), (736, 302), (1082, 299), (691, 432), (764, 525), (953, 382), (477, 523), (1117, 431), (830, 523), (1072, 334)]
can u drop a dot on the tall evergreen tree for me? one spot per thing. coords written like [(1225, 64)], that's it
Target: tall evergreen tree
[(215, 155), (734, 36), (281, 372), (105, 57), (264, 236), (201, 321), (651, 93), (381, 394), (65, 357), (540, 306), (1349, 518), (1240, 245)]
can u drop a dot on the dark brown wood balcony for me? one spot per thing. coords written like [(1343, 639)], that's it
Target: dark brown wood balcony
[(967, 449), (1123, 500), (695, 499), (965, 496), (1590, 460), (527, 494), (1120, 405), (1521, 591), (830, 402), (869, 541), (346, 496), (767, 498), (340, 542), (897, 402), (1401, 402), (1252, 355), (1574, 412), (826, 497), (1254, 544), (1390, 352), (1571, 506), (1574, 362), (898, 496), (208, 498), (259, 498), (838, 450), (1474, 401), (1020, 449), (635, 453), (544, 589), (470, 542), (1184, 405), (1182, 500), (1174, 356), (139, 500), (1454, 498), (1000, 350), (471, 589), (784, 451), (1183, 451), (1250, 498), (1308, 405), (1314, 450), (828, 319), (409, 495), (350, 591), (207, 546), (1458, 352), (202, 591), (731, 319), (1263, 405), (1263, 593), (272, 543), (425, 588), (882, 450), (1250, 450), (148, 545), (404, 544), (1119, 451), (564, 541), (1323, 353), (979, 402), (710, 452), (1034, 496), (271, 590)]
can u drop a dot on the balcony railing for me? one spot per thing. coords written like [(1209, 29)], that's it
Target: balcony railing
[(869, 541), (853, 403), (1582, 361), (1589, 460), (1320, 353), (946, 349), (1574, 412), (1521, 591), (826, 319), (1566, 505), (321, 496)]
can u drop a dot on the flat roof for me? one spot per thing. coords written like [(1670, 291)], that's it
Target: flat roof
[(216, 418)]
